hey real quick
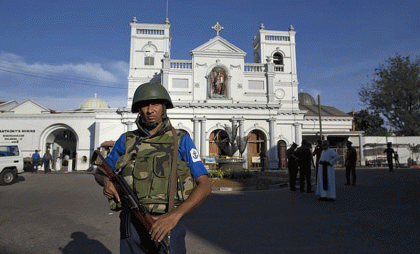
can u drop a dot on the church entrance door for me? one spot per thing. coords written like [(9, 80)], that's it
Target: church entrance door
[(281, 152), (61, 140), (257, 153)]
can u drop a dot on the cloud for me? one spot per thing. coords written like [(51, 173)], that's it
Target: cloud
[(62, 85), (87, 70)]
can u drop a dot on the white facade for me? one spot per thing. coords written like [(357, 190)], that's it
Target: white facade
[(374, 146), (216, 88), (213, 90), (75, 132)]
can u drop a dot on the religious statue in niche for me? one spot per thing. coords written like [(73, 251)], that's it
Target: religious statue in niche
[(218, 79)]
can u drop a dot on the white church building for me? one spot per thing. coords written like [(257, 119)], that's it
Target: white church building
[(213, 91)]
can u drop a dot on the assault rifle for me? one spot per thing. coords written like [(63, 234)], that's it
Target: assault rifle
[(128, 199)]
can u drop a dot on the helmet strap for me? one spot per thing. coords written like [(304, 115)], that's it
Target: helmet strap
[(142, 124)]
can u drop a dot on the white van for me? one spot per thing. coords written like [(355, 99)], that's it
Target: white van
[(11, 162)]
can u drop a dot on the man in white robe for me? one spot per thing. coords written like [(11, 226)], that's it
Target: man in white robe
[(325, 187)]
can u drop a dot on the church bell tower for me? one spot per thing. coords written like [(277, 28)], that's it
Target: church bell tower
[(149, 44)]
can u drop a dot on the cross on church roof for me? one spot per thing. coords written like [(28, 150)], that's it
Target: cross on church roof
[(217, 28)]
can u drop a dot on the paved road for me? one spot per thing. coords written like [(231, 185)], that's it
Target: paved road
[(66, 213)]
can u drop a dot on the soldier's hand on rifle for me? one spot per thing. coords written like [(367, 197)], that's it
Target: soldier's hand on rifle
[(109, 190), (102, 179), (163, 225)]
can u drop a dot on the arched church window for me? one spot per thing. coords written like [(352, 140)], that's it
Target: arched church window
[(218, 82), (278, 58)]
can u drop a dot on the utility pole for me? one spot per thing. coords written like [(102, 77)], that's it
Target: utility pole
[(319, 115)]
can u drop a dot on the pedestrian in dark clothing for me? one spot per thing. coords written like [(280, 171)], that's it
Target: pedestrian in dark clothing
[(317, 152), (304, 155), (262, 160), (389, 152), (35, 161), (397, 160), (350, 163), (292, 166), (47, 159)]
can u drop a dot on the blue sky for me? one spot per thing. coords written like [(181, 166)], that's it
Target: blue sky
[(59, 53)]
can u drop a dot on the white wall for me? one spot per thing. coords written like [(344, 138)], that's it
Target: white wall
[(399, 144)]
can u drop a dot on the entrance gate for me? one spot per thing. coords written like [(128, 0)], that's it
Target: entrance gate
[(257, 149)]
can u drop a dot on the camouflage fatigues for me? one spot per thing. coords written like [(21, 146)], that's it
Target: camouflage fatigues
[(147, 165)]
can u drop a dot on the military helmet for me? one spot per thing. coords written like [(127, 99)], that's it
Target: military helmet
[(150, 91)]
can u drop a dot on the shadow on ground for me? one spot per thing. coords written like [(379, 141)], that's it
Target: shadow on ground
[(379, 215), (82, 244)]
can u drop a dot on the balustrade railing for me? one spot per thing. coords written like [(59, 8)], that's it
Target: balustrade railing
[(150, 31), (278, 68), (181, 64), (254, 68)]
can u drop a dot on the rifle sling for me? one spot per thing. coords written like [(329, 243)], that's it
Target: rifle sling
[(172, 178)]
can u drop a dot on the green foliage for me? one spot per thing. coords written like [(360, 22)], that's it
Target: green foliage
[(415, 149), (371, 124), (216, 173), (229, 173), (395, 94), (219, 173)]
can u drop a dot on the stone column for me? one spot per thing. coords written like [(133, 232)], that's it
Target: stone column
[(97, 131), (361, 148), (166, 66), (242, 135), (241, 127), (196, 132), (273, 160), (130, 125), (270, 79), (298, 133), (203, 134)]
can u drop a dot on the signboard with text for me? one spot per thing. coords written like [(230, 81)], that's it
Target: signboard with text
[(14, 135)]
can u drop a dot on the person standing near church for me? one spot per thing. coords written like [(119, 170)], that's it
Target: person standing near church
[(326, 173), (66, 160), (292, 166), (350, 163), (47, 159), (304, 155), (35, 161), (317, 153), (397, 160), (389, 155)]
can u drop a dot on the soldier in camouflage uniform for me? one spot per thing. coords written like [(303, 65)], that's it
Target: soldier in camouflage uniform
[(145, 158)]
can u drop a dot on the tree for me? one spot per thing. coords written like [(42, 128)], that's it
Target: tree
[(371, 124), (395, 94)]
